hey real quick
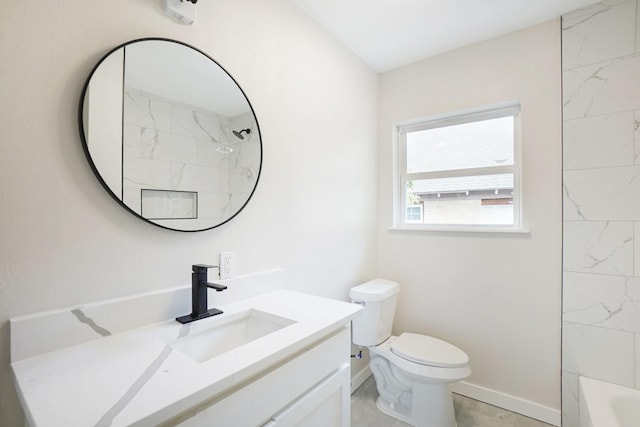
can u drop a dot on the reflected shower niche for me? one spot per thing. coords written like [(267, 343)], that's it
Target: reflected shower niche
[(167, 204)]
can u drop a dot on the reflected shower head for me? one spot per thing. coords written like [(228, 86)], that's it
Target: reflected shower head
[(239, 134)]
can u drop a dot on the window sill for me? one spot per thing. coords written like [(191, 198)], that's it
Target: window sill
[(486, 229)]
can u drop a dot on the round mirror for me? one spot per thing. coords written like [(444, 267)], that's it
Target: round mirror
[(170, 134)]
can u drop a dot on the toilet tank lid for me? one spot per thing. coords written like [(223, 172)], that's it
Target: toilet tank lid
[(374, 290)]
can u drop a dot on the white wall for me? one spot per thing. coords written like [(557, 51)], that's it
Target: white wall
[(601, 303), (64, 241), (495, 296)]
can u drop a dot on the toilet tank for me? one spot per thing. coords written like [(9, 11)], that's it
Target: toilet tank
[(373, 325)]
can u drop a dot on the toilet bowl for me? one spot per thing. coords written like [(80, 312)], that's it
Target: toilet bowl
[(412, 371)]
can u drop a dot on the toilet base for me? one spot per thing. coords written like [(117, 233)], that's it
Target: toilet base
[(412, 399), (433, 414)]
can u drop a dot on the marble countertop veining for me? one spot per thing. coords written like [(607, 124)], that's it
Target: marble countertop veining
[(136, 378)]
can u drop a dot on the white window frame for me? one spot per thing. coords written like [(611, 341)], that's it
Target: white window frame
[(401, 177)]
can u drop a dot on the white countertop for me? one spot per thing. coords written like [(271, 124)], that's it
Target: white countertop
[(135, 378)]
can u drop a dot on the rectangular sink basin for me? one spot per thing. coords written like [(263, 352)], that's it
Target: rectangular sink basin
[(206, 341)]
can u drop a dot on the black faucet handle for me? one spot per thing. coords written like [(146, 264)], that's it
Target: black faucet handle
[(199, 267)]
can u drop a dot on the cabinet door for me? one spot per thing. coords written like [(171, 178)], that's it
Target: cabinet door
[(258, 400), (326, 404)]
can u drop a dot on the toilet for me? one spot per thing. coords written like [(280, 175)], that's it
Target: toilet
[(412, 371)]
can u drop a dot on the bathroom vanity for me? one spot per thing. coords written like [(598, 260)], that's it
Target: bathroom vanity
[(277, 359)]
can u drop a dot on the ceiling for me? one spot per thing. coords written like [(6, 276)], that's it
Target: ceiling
[(388, 34)]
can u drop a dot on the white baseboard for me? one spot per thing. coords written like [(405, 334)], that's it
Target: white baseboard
[(358, 379), (506, 401)]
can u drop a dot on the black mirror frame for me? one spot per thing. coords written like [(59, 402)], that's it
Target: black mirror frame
[(85, 145)]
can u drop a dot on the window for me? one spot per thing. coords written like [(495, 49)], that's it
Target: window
[(460, 169), (414, 213)]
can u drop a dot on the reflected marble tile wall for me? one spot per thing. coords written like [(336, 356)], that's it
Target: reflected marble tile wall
[(172, 146)]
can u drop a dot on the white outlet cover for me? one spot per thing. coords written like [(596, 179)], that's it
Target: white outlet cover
[(227, 264)]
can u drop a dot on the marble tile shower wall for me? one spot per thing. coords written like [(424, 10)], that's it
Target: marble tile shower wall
[(177, 147), (601, 181)]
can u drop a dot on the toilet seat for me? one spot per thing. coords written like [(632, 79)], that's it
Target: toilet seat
[(430, 351), (420, 372)]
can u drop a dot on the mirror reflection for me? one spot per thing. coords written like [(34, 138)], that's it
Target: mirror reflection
[(170, 135)]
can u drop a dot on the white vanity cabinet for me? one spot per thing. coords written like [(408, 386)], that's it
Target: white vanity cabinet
[(311, 388), (148, 376)]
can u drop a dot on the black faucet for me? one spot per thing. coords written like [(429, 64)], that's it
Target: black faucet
[(199, 285)]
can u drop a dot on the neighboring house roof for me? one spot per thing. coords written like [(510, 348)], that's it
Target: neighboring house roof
[(461, 184)]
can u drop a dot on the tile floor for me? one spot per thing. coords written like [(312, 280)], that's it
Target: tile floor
[(469, 412)]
